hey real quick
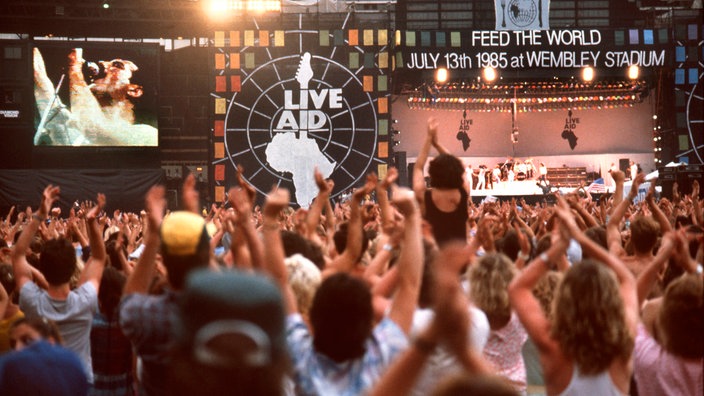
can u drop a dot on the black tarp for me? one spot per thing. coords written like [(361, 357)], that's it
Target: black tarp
[(124, 188)]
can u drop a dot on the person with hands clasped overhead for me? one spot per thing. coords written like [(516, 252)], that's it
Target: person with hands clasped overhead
[(72, 310), (449, 328), (669, 347), (586, 348), (444, 205), (345, 352)]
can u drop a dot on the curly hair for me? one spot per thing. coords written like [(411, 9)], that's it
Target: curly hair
[(681, 317), (446, 171), (545, 290), (589, 318), (489, 280)]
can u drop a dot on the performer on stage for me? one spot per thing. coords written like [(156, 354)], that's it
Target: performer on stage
[(543, 172), (633, 170), (481, 180)]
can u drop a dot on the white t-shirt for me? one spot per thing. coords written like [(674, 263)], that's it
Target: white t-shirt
[(73, 316)]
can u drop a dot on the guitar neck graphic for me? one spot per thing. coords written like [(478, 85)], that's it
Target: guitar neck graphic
[(304, 74)]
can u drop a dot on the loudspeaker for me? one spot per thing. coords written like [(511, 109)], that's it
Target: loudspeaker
[(686, 176), (410, 173), (402, 167), (667, 176), (623, 165)]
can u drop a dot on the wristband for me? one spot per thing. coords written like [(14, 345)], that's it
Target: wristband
[(699, 269), (544, 256), (387, 247), (524, 257), (37, 217)]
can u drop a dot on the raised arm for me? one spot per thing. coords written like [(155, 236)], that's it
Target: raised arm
[(243, 207), (382, 197), (658, 214), (419, 167), (613, 235), (646, 280), (144, 271), (449, 327), (523, 301), (576, 204), (316, 208), (93, 270), (274, 254), (696, 205), (410, 261), (627, 283), (346, 260), (20, 266), (619, 177)]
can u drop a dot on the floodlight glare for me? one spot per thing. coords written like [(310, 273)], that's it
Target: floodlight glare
[(441, 75), (489, 74)]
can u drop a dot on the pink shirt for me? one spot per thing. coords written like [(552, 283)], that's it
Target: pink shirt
[(659, 372), (503, 350)]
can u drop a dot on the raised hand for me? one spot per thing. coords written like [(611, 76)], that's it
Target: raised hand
[(155, 204), (433, 129), (368, 187), (49, 196), (251, 192), (95, 210), (404, 200), (190, 196), (276, 201), (695, 190), (239, 199), (324, 186), (391, 176), (640, 178), (618, 176)]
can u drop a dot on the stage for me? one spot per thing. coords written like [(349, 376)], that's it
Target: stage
[(532, 193), (511, 188)]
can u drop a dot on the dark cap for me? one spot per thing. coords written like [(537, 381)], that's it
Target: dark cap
[(231, 318)]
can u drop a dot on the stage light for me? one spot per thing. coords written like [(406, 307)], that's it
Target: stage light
[(588, 74), (441, 75), (489, 74), (633, 72), (220, 8), (106, 5)]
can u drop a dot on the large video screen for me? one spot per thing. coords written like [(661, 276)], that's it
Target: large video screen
[(95, 94)]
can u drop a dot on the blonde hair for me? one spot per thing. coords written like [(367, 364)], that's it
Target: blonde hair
[(545, 291), (304, 278), (489, 279), (589, 318)]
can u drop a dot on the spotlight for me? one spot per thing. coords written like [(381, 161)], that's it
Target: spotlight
[(633, 72), (441, 75), (106, 5), (588, 74), (489, 74)]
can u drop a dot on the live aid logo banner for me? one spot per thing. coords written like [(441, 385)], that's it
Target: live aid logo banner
[(522, 14)]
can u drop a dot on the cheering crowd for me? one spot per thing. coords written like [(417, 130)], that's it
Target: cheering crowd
[(413, 292)]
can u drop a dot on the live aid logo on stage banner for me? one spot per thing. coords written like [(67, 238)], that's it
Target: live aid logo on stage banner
[(568, 130), (522, 14), (463, 131)]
